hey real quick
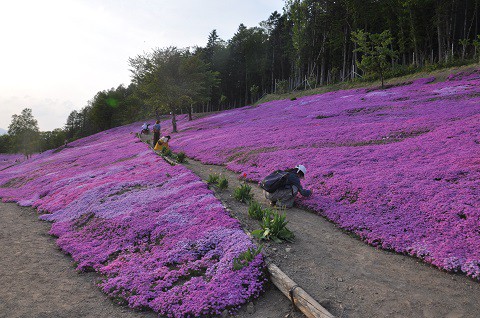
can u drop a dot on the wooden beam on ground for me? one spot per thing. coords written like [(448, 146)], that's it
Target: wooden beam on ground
[(303, 301), (307, 305), (170, 161)]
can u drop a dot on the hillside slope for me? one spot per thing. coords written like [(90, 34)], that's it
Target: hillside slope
[(399, 167), (155, 232)]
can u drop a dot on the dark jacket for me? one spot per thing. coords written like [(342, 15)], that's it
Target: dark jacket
[(294, 180)]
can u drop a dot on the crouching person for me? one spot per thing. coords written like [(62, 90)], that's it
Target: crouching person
[(162, 142), (145, 130), (281, 187)]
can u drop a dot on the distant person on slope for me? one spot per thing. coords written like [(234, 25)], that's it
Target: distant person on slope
[(162, 142), (145, 129), (156, 132), (281, 187)]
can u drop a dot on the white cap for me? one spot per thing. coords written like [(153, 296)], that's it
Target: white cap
[(301, 168)]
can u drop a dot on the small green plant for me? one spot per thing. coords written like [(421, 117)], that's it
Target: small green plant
[(246, 257), (255, 210), (222, 183), (274, 227), (243, 193), (212, 179), (181, 157), (166, 151)]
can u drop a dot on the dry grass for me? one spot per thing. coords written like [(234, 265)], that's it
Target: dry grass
[(440, 75)]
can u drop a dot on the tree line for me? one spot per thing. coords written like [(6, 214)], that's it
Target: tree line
[(313, 43), (310, 44)]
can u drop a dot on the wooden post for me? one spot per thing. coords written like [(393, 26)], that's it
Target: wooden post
[(299, 297)]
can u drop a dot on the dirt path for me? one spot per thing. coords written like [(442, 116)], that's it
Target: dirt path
[(350, 278)]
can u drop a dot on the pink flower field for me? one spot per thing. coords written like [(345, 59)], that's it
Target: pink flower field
[(7, 160), (399, 167), (155, 232)]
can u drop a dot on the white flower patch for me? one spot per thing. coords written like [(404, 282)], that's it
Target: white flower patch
[(449, 90), (380, 94)]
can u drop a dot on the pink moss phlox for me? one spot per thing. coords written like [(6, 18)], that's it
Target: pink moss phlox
[(155, 232), (8, 160), (400, 167)]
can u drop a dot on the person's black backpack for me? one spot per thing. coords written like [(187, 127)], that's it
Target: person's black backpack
[(274, 181)]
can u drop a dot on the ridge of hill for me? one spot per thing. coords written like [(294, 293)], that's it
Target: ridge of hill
[(439, 75)]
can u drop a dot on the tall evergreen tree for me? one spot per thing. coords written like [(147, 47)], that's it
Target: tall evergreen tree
[(376, 51)]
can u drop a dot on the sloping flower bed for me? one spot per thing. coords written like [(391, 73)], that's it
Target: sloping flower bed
[(400, 167), (155, 232)]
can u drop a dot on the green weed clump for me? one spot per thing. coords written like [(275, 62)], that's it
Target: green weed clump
[(255, 210), (274, 227), (166, 151), (222, 183), (212, 179), (181, 157), (243, 193), (246, 257)]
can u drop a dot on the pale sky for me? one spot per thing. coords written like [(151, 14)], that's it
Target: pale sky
[(55, 55)]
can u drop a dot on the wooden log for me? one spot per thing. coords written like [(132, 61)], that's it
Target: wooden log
[(170, 161), (303, 301), (307, 305)]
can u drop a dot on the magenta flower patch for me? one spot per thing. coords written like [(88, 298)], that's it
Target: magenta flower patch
[(7, 160), (156, 233), (399, 167)]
